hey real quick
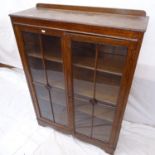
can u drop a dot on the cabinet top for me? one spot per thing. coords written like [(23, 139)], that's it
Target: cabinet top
[(134, 20)]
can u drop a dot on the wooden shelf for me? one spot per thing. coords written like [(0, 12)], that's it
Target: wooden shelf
[(57, 94), (56, 82), (54, 57), (48, 57), (100, 112), (104, 92), (111, 64), (60, 111), (101, 129)]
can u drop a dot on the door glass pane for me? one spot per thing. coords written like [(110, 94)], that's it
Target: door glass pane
[(32, 49), (111, 59), (37, 70), (42, 91), (44, 102), (83, 82), (109, 70), (45, 109), (83, 54), (107, 87), (83, 78), (59, 105), (102, 122), (46, 66), (97, 72), (52, 48), (55, 77), (83, 61), (83, 116), (55, 74), (32, 43)]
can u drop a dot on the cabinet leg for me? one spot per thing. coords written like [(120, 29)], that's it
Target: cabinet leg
[(41, 123)]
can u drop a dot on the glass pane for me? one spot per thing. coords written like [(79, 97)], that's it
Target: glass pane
[(44, 102), (32, 49), (37, 70), (83, 54), (110, 64), (55, 74), (42, 91), (83, 82), (45, 109), (102, 122), (83, 116), (59, 105), (107, 87), (111, 58), (52, 48), (32, 43)]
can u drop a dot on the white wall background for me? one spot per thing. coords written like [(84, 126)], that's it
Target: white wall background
[(141, 103)]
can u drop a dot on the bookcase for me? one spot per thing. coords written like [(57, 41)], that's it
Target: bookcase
[(79, 63)]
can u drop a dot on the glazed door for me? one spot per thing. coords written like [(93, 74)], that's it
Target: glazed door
[(43, 49), (97, 69)]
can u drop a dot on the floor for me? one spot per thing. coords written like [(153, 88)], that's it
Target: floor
[(21, 135)]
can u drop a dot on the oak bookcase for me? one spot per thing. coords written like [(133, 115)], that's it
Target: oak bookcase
[(79, 63)]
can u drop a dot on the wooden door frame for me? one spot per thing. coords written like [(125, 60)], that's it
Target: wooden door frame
[(18, 29), (123, 92)]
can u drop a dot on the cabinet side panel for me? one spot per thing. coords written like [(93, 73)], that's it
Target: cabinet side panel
[(25, 67), (126, 83)]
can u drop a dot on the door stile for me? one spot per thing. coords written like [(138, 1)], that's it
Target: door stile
[(66, 54)]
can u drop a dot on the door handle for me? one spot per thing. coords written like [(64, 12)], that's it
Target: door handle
[(93, 101), (43, 31)]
